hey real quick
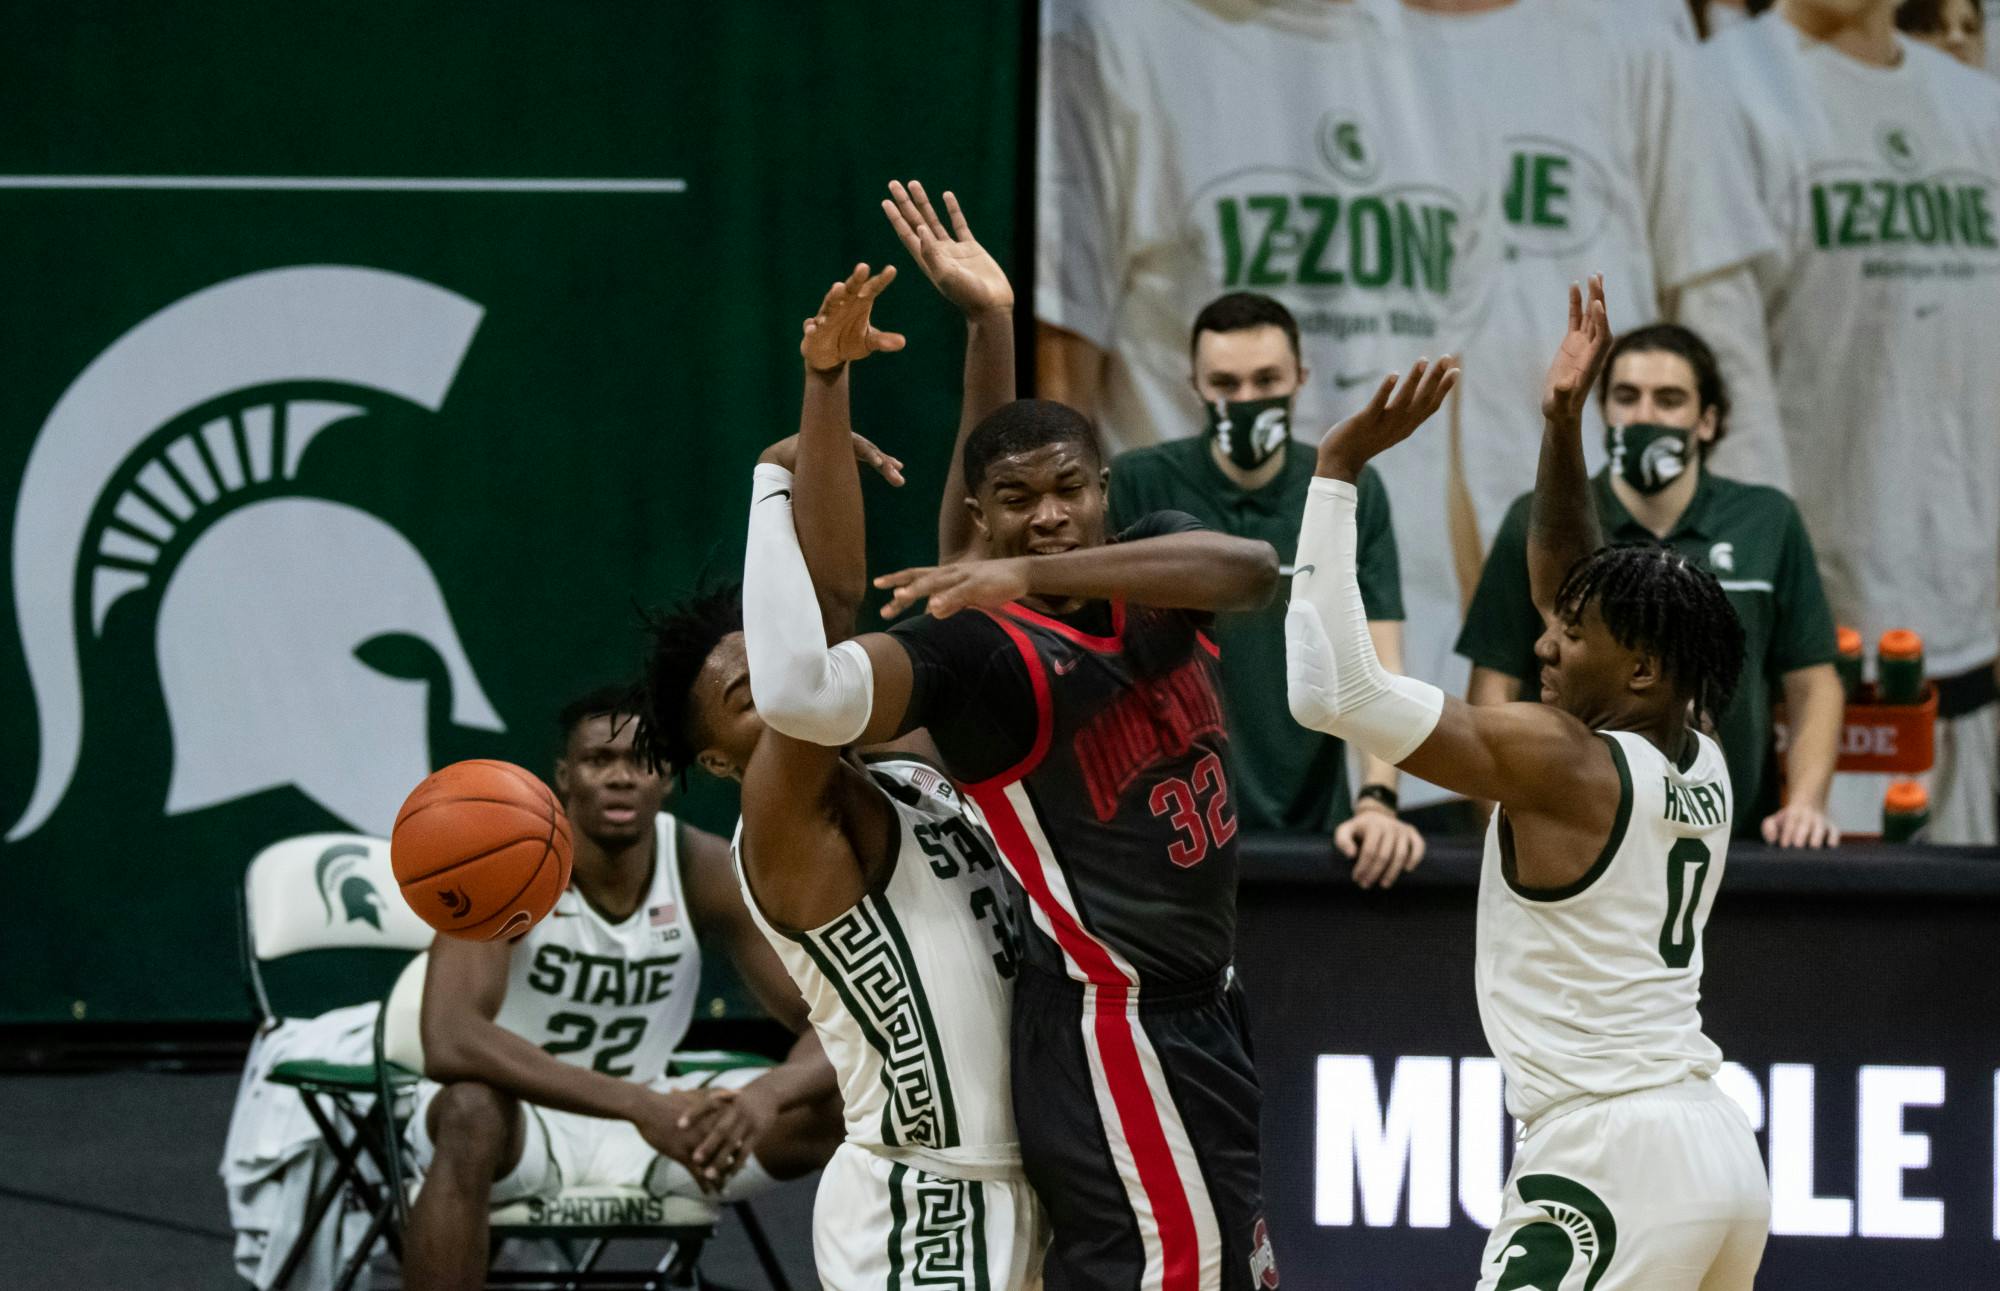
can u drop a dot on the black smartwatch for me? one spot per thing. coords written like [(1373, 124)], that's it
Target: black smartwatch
[(1381, 793)]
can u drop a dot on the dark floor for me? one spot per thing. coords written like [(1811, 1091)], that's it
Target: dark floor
[(109, 1181)]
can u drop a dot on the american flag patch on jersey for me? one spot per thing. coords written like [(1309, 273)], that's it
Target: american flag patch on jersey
[(930, 782), (661, 915)]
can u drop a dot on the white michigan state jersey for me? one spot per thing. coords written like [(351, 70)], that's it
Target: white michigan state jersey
[(1595, 989), (614, 997), (911, 990)]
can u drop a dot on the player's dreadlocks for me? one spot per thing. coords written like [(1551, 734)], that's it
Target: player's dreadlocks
[(1660, 603), (680, 640)]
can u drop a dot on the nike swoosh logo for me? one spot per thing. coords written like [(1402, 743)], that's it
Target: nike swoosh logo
[(1303, 570), (1064, 667), (1345, 381), (781, 493)]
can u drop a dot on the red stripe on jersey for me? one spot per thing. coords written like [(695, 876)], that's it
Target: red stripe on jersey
[(1089, 954), (1045, 724), (1103, 645), (1214, 650), (1180, 1245)]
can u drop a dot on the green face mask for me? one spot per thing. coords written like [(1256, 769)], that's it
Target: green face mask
[(1249, 431), (1646, 456)]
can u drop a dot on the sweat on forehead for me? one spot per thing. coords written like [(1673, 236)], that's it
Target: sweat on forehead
[(1022, 427)]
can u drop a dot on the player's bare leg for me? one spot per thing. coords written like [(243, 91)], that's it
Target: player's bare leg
[(479, 1133)]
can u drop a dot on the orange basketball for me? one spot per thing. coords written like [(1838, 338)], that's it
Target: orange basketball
[(481, 849)]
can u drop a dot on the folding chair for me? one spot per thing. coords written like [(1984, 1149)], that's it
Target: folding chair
[(324, 925), (579, 1222)]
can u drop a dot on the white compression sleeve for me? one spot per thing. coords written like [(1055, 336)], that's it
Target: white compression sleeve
[(802, 689), (1333, 681)]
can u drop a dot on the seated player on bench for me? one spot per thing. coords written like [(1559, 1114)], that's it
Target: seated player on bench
[(548, 1059)]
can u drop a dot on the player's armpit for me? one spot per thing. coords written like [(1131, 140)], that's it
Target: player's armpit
[(805, 846), (1533, 759)]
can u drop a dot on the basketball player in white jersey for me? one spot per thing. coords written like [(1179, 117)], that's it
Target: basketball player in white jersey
[(874, 879), (1602, 863), (548, 1058)]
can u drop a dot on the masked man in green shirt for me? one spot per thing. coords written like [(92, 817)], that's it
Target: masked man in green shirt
[(1248, 477), (1665, 407)]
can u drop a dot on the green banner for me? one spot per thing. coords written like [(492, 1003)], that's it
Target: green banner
[(365, 365)]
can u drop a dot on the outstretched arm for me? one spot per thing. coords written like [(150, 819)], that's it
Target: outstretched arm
[(1176, 571), (1562, 520), (1536, 760), (969, 277), (827, 500), (807, 831)]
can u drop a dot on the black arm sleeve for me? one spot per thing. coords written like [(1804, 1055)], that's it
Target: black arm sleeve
[(969, 688)]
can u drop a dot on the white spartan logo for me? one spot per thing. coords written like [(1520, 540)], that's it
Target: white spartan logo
[(261, 613)]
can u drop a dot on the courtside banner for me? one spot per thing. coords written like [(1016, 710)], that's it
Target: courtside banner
[(365, 366), (1860, 1038)]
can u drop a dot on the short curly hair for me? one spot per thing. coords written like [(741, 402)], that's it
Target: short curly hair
[(679, 641), (1655, 600)]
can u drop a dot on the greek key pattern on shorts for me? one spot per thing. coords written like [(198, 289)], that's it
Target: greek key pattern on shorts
[(865, 956), (938, 1232), (937, 1225)]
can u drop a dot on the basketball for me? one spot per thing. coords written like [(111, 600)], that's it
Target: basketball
[(481, 850)]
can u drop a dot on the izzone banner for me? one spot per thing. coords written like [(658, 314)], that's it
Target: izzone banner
[(1861, 1029)]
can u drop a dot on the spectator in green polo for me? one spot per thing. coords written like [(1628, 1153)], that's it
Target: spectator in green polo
[(1665, 407), (1248, 477)]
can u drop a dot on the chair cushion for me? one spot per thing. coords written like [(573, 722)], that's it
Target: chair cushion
[(311, 1073), (693, 1060), (604, 1208)]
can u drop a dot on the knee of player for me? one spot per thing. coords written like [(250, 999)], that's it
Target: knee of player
[(472, 1121)]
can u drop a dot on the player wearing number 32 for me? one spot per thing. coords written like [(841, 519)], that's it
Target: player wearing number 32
[(1071, 689), (550, 1057), (1602, 862)]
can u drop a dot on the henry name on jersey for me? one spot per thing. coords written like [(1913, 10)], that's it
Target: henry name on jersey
[(1272, 228), (1697, 804)]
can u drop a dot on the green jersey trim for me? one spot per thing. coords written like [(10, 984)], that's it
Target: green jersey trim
[(867, 945), (1511, 872), (896, 1217)]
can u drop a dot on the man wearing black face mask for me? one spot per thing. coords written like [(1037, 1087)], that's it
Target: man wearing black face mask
[(1665, 406), (1247, 477)]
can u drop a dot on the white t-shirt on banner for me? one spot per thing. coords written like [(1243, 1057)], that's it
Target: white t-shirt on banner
[(1884, 313), (1617, 160), (1297, 149)]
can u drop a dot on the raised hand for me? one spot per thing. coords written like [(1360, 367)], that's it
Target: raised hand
[(841, 332), (952, 259), (1398, 408), (965, 585), (1578, 361)]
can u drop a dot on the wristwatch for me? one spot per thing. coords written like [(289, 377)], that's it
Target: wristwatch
[(1381, 793)]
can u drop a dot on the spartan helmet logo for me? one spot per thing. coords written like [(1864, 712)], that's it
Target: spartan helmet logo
[(1898, 148), (170, 464), (334, 872), (1542, 1254), (1344, 147)]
